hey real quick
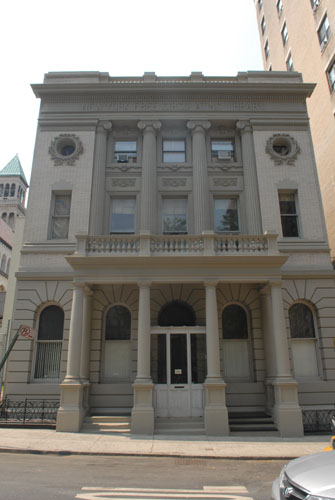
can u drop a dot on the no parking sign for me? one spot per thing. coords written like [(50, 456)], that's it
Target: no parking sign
[(27, 332)]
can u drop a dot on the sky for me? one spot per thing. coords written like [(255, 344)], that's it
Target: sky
[(121, 37)]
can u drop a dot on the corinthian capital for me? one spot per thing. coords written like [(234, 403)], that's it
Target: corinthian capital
[(198, 125), (149, 125)]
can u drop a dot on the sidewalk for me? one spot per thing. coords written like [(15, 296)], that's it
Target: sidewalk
[(234, 447)]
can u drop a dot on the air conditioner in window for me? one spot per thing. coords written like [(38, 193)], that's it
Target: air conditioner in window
[(324, 42), (316, 5), (225, 155), (122, 158)]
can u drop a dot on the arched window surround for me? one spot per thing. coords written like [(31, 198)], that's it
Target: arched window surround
[(180, 303), (36, 341), (250, 377), (123, 349), (316, 340)]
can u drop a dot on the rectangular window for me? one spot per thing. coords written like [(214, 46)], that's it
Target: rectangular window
[(222, 149), (288, 215), (174, 151), (260, 4), (125, 152), (331, 77), (324, 32), (174, 216), (289, 63), (266, 49), (263, 25), (279, 7), (60, 217), (284, 34), (315, 4), (226, 215), (122, 218)]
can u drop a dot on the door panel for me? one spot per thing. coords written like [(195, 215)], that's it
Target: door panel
[(178, 363)]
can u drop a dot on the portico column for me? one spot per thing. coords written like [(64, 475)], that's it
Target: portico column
[(148, 221), (98, 178), (142, 417), (85, 345), (216, 414), (253, 209), (286, 409), (71, 410), (200, 175)]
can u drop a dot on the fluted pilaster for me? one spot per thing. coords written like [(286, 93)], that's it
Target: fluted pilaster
[(149, 176), (98, 178), (200, 175), (144, 333), (253, 209)]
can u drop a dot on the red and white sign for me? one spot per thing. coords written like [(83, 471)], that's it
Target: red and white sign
[(27, 332)]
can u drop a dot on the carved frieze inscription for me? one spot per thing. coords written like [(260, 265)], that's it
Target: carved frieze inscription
[(228, 183), (178, 106), (123, 183), (174, 183)]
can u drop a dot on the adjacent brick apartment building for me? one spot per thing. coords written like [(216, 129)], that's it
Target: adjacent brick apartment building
[(299, 36)]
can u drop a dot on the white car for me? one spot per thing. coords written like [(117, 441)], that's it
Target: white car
[(307, 478)]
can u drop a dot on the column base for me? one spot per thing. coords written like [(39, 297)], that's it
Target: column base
[(71, 412), (286, 411), (216, 413), (142, 415)]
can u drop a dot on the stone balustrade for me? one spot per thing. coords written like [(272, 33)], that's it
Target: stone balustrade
[(206, 244)]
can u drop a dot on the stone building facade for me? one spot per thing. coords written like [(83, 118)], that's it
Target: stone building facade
[(175, 259)]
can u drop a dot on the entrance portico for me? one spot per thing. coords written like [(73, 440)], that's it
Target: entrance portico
[(179, 366)]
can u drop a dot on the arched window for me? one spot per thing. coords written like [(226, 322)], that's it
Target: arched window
[(4, 216), (303, 341), (12, 190), (19, 189), (1, 189), (3, 263), (236, 362), (49, 343), (176, 313), (7, 267), (117, 360), (11, 220), (6, 193)]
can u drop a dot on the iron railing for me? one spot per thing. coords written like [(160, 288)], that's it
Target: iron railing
[(28, 411), (317, 421)]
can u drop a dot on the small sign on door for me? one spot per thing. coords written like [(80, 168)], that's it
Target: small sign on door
[(178, 371)]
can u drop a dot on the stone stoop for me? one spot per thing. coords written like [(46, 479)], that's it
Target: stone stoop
[(252, 424), (107, 424), (180, 426)]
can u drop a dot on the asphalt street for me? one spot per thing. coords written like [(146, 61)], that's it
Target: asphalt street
[(48, 477)]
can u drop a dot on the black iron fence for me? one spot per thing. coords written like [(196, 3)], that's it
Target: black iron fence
[(29, 411), (317, 421)]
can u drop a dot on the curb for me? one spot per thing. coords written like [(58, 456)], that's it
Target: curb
[(146, 455)]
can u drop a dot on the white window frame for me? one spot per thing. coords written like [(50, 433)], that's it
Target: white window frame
[(129, 153), (294, 341), (248, 341), (173, 198), (227, 197), (103, 377), (120, 198), (289, 63), (164, 151), (36, 342), (331, 76), (296, 214), (53, 216), (324, 31), (266, 49), (284, 34)]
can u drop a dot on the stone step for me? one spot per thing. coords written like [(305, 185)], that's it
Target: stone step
[(113, 424)]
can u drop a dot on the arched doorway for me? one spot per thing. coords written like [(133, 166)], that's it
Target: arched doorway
[(178, 361)]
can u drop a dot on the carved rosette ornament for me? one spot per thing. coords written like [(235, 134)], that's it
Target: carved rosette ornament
[(282, 148), (65, 149)]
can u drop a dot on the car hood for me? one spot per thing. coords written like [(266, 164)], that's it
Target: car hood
[(315, 473)]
